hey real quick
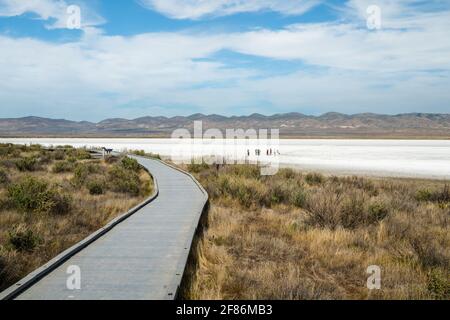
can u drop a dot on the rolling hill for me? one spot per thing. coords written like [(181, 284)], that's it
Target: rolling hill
[(367, 125)]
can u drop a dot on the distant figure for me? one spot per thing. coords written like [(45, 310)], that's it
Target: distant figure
[(107, 151)]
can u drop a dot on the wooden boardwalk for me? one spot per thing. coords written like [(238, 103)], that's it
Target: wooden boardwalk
[(143, 257)]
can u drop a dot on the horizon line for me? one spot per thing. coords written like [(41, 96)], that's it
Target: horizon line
[(229, 117)]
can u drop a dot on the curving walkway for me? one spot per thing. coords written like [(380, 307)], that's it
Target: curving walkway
[(141, 258)]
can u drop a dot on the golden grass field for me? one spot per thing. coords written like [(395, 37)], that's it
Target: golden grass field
[(309, 236), (52, 199)]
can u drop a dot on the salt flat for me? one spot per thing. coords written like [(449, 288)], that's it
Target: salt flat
[(399, 158)]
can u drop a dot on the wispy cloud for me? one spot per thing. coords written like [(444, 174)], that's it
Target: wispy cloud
[(343, 67), (197, 9)]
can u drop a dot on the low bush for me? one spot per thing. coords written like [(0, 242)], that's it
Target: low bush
[(35, 195), (299, 198), (377, 211), (63, 166), (61, 203), (130, 164), (59, 154), (314, 178), (82, 171), (332, 208), (356, 182), (44, 158), (439, 196), (34, 147), (4, 179), (287, 173), (95, 188), (275, 193), (352, 212), (23, 239), (26, 164), (197, 167), (438, 284), (248, 172), (123, 180), (6, 149), (79, 154)]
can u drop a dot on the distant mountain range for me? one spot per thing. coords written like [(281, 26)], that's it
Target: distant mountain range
[(366, 125)]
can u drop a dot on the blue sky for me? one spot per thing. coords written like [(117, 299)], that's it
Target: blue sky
[(133, 58)]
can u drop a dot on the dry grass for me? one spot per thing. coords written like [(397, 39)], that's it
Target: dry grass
[(292, 236), (30, 238)]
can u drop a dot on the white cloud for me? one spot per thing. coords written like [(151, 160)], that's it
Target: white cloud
[(350, 69), (196, 9), (54, 10)]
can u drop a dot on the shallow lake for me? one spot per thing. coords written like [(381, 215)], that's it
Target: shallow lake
[(401, 158)]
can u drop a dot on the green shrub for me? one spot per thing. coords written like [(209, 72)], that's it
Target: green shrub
[(6, 150), (331, 208), (438, 284), (377, 211), (423, 195), (26, 164), (130, 164), (286, 173), (95, 188), (276, 193), (323, 208), (59, 155), (352, 213), (248, 192), (83, 170), (245, 171), (299, 198), (79, 154), (356, 182), (439, 196), (122, 180), (72, 159), (23, 239), (61, 203), (35, 147), (63, 166), (315, 178), (138, 152), (197, 167), (34, 195)]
